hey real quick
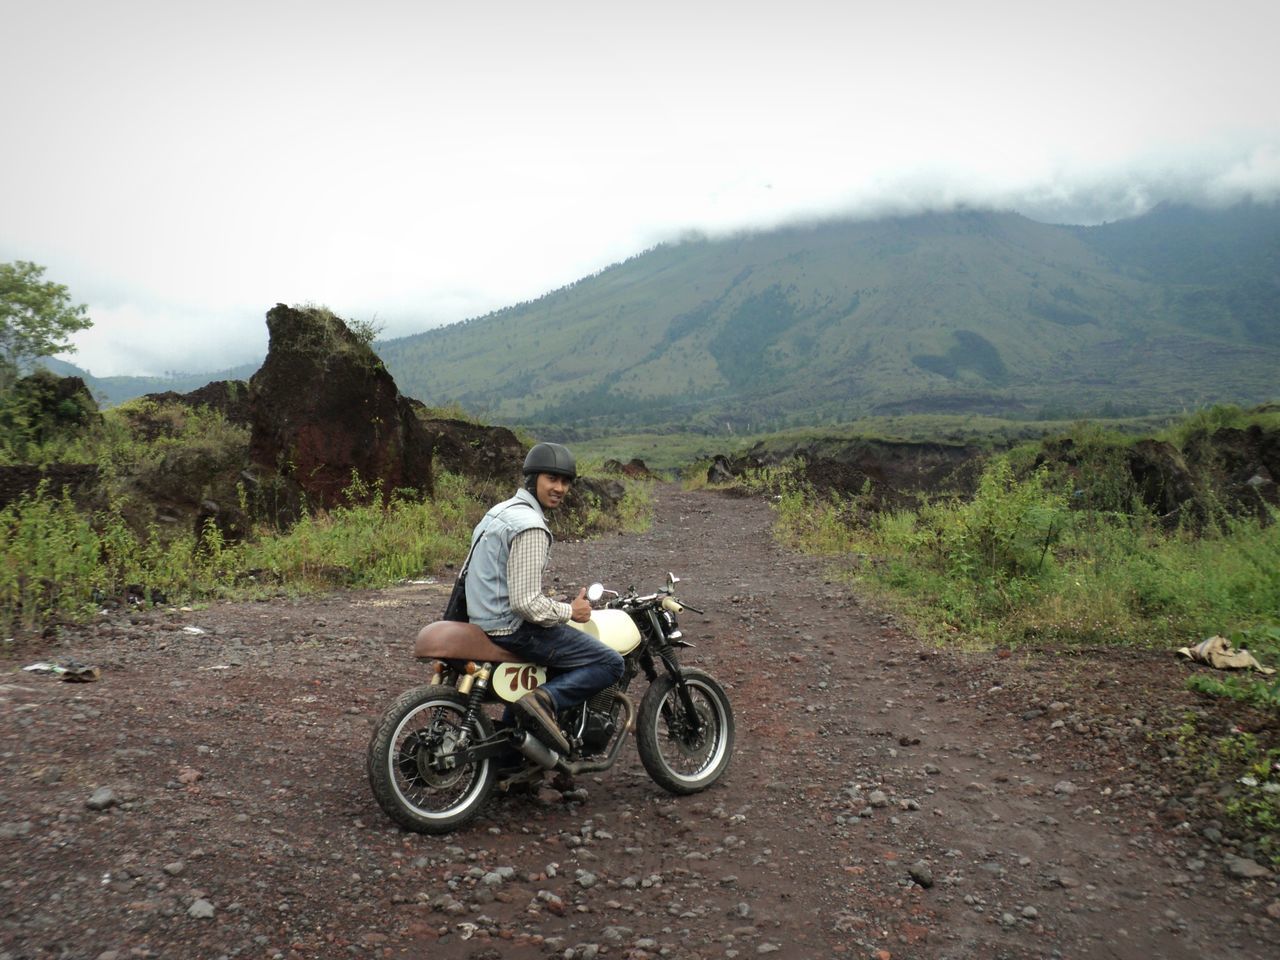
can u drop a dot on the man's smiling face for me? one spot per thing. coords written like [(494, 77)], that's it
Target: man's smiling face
[(552, 489)]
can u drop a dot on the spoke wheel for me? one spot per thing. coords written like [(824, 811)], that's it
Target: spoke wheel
[(416, 769), (681, 755)]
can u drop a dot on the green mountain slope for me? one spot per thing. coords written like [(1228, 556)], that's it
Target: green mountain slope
[(967, 311)]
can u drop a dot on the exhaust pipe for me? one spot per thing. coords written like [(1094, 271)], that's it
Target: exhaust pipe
[(536, 750)]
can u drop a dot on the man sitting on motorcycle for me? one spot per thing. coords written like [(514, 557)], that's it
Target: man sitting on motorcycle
[(511, 548)]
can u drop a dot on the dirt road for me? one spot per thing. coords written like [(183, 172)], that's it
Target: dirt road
[(206, 797)]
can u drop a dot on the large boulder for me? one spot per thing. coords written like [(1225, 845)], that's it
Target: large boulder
[(472, 449), (39, 408), (1243, 466), (228, 397), (80, 480), (634, 468), (324, 408), (44, 405), (1161, 478), (882, 474), (194, 470)]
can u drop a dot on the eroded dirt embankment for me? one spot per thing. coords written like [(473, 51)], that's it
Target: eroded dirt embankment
[(885, 798)]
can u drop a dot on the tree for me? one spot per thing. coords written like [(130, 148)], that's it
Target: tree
[(36, 318)]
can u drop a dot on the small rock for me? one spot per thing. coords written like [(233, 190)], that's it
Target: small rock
[(201, 910), (878, 799), (102, 799), (175, 868), (1030, 913), (1065, 787), (1245, 869), (921, 873)]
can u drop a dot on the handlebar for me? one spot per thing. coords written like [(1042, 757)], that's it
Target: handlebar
[(632, 600)]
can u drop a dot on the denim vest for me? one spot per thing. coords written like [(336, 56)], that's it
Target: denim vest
[(488, 602)]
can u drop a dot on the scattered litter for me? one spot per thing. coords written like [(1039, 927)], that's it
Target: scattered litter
[(1218, 653), (218, 666), (422, 583), (70, 671), (194, 631)]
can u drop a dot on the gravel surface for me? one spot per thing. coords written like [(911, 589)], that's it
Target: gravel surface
[(206, 796)]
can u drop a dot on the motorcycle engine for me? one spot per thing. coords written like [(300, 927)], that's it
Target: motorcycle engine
[(598, 730), (600, 724)]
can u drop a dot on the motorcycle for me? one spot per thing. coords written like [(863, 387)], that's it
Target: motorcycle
[(440, 750)]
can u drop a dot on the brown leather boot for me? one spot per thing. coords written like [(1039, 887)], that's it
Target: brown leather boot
[(537, 706)]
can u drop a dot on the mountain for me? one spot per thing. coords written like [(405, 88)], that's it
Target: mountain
[(969, 311), (109, 391), (965, 312)]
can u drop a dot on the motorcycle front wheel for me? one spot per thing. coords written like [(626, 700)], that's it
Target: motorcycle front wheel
[(681, 755), (418, 776)]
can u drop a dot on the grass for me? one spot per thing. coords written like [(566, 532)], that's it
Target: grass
[(59, 563), (373, 541), (62, 560), (1016, 564)]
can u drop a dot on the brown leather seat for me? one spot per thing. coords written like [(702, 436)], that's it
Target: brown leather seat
[(453, 640)]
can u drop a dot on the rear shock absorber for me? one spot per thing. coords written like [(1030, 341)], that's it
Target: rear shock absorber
[(476, 684)]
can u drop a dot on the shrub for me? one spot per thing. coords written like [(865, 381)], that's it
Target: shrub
[(49, 565)]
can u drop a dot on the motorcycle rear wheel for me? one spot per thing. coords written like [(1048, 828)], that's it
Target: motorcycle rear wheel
[(678, 758), (413, 769)]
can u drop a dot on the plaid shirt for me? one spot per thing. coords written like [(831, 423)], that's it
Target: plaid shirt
[(525, 566)]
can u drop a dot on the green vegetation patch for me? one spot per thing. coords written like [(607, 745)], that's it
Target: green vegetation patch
[(755, 325), (971, 352), (1050, 551)]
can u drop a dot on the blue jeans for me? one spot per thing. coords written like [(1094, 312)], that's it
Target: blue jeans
[(581, 665)]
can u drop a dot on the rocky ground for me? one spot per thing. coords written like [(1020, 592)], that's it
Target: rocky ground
[(206, 796)]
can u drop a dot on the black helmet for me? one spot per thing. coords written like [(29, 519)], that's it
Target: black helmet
[(551, 458)]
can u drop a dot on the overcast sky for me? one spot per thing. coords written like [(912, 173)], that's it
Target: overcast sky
[(184, 166)]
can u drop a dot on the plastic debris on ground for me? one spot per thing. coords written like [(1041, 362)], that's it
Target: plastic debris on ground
[(70, 671), (1218, 653)]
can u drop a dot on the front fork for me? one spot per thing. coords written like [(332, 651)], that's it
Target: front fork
[(666, 653)]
